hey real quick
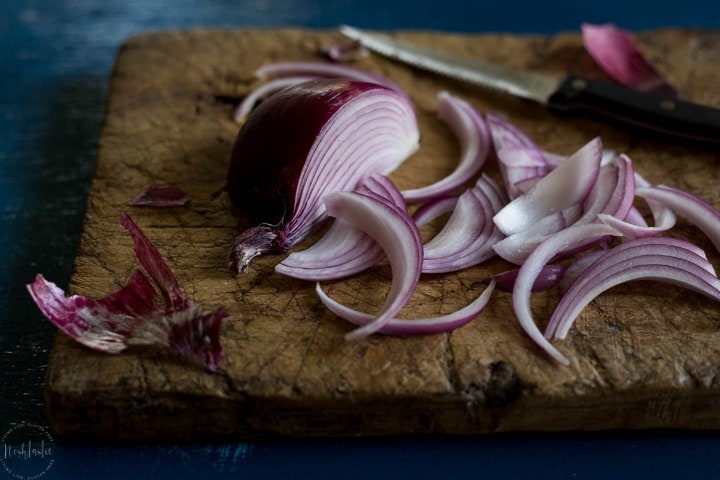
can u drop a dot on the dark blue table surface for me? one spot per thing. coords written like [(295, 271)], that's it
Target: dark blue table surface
[(55, 58)]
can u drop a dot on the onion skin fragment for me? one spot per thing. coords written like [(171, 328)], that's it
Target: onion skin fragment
[(304, 142), (617, 53), (133, 315)]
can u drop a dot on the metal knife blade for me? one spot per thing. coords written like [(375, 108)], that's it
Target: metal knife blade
[(519, 83), (647, 111)]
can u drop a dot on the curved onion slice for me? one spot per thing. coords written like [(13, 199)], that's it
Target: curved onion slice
[(429, 211), (577, 267), (334, 133), (515, 248), (474, 138), (566, 239), (652, 258), (468, 237), (548, 277), (415, 326), (344, 250), (617, 53), (568, 184), (613, 192), (397, 234), (268, 88), (519, 157), (320, 69), (694, 209)]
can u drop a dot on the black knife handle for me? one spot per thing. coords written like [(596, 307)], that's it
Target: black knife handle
[(651, 112)]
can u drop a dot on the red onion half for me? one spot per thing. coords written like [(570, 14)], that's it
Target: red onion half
[(304, 142)]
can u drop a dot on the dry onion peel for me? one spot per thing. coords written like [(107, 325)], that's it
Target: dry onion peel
[(133, 315), (617, 53)]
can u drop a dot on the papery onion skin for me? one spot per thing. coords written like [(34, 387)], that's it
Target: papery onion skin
[(134, 314), (616, 52), (275, 147)]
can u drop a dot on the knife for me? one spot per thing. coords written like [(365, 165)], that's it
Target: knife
[(650, 112)]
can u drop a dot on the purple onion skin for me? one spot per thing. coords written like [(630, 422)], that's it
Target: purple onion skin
[(269, 154)]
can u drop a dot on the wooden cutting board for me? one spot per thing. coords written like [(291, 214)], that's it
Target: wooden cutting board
[(644, 355)]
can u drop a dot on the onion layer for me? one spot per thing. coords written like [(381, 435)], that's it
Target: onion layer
[(665, 259), (399, 238)]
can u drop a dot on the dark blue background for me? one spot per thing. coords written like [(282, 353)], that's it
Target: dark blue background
[(55, 59)]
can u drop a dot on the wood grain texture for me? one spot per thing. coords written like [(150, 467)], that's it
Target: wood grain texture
[(643, 355)]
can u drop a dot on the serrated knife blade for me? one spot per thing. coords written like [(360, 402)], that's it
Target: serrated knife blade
[(664, 116)]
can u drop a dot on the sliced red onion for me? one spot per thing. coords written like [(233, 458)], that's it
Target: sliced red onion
[(161, 197), (577, 267), (133, 315), (264, 91), (519, 157), (415, 326), (617, 53), (517, 247), (320, 69), (664, 221), (613, 192), (397, 234), (567, 239), (651, 258), (429, 211), (334, 133), (694, 209), (549, 276), (468, 237), (568, 184), (474, 138), (344, 250)]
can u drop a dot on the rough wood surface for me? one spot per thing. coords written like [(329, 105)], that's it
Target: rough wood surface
[(644, 355)]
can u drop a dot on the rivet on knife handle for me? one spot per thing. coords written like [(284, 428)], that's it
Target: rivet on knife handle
[(663, 115)]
